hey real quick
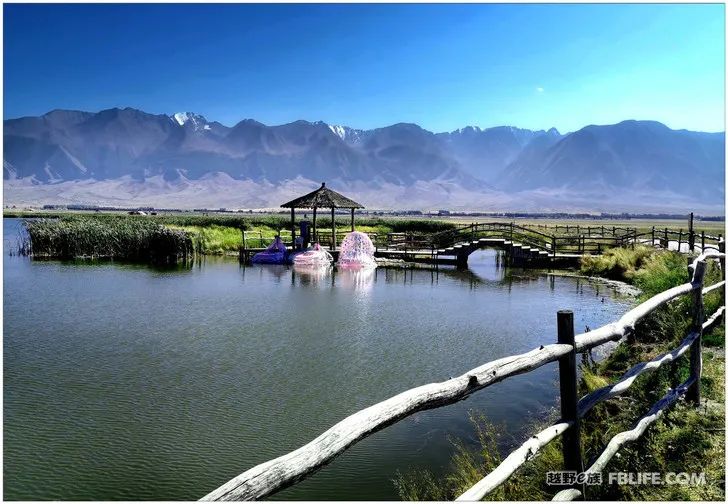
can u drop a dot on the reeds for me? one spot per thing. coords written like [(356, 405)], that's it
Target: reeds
[(111, 237)]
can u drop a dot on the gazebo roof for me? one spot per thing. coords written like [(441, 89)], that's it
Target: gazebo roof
[(323, 197)]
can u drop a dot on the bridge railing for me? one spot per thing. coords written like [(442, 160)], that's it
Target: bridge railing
[(536, 236), (269, 477), (575, 239)]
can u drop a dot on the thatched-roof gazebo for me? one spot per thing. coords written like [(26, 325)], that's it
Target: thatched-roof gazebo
[(323, 197)]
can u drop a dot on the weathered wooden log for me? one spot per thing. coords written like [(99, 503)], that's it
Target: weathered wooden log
[(513, 461), (721, 249), (626, 323), (708, 254), (713, 287), (587, 402), (631, 435), (569, 494), (269, 477), (715, 317), (696, 349)]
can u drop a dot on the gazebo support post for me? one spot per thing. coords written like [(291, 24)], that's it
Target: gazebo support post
[(333, 229), (293, 228), (352, 220), (315, 239)]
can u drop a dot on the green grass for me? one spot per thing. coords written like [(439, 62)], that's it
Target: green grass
[(214, 239), (684, 439), (617, 263), (282, 222)]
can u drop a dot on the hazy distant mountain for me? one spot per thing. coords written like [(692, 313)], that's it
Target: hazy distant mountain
[(484, 153), (125, 156)]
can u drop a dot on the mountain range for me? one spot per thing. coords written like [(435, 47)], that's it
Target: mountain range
[(128, 157)]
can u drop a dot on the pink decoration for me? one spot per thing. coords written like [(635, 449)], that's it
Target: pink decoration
[(357, 251)]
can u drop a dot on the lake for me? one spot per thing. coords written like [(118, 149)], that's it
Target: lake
[(131, 382)]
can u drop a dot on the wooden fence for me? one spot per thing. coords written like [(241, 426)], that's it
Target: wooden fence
[(554, 239), (269, 477), (577, 239), (590, 239)]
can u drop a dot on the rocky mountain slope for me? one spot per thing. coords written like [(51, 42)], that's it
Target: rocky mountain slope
[(126, 157)]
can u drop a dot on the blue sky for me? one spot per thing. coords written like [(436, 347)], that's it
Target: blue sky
[(440, 66)]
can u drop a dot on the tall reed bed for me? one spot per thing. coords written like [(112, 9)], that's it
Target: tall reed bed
[(113, 237)]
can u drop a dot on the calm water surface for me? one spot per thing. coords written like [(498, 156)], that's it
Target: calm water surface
[(129, 382)]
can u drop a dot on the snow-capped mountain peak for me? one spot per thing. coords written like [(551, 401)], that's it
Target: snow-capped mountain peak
[(197, 121), (346, 133), (181, 118), (340, 131)]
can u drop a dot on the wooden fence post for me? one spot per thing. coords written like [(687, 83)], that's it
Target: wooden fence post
[(691, 235), (571, 447), (653, 237), (667, 240), (333, 228), (696, 357), (679, 240), (702, 241), (721, 249), (553, 245)]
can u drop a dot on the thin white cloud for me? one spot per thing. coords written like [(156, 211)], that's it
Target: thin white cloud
[(539, 89)]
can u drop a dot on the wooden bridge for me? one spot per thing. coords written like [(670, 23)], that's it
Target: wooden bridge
[(269, 477), (539, 246)]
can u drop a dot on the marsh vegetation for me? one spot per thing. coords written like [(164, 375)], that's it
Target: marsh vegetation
[(110, 237)]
